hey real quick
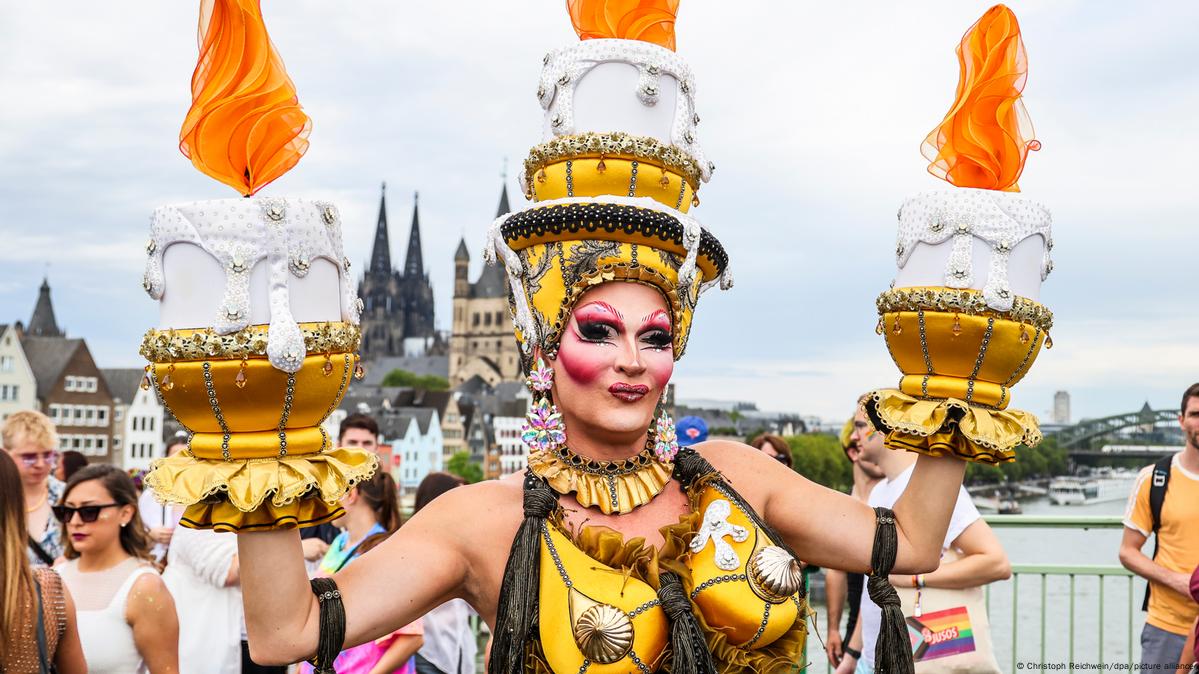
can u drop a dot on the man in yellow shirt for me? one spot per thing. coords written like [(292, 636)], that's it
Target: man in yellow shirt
[(1171, 610)]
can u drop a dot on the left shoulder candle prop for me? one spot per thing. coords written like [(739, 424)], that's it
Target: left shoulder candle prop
[(258, 324), (962, 320)]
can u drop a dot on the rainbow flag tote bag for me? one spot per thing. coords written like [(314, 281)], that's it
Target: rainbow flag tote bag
[(949, 630)]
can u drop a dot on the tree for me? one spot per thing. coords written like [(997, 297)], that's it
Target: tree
[(429, 382), (819, 457), (461, 465)]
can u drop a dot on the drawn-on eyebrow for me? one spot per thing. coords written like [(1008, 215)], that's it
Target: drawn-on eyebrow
[(605, 307), (655, 316)]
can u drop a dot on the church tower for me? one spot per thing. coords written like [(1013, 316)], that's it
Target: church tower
[(481, 342), (382, 323), (397, 318)]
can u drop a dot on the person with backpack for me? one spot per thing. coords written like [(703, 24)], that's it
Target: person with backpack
[(32, 442), (1165, 503)]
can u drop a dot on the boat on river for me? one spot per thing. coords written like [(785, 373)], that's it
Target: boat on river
[(1100, 488)]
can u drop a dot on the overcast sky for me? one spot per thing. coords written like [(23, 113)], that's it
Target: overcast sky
[(813, 113)]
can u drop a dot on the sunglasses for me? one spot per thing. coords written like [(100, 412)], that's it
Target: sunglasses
[(30, 460), (87, 513)]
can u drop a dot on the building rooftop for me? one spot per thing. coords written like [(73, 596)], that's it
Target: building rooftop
[(48, 357), (123, 382)]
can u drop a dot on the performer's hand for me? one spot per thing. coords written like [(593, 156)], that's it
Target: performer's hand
[(832, 646), (314, 548)]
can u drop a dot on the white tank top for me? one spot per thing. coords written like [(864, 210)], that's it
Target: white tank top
[(100, 599)]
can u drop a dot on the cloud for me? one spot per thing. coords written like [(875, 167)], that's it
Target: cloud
[(813, 114)]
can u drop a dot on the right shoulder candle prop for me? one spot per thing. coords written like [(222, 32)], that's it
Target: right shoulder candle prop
[(962, 320)]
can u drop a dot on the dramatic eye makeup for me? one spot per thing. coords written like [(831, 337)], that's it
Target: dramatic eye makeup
[(655, 330), (598, 322)]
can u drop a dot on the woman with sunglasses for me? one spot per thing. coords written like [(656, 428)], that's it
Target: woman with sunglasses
[(127, 618), (32, 443), (37, 614), (774, 447)]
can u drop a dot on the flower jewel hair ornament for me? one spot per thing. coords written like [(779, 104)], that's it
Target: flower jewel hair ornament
[(964, 332), (250, 370), (612, 187)]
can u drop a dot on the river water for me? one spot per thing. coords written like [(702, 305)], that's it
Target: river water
[(1057, 546)]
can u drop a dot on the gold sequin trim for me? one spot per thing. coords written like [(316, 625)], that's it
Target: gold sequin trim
[(163, 346), (963, 300), (615, 144)]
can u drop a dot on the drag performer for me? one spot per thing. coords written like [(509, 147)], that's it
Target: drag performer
[(616, 551)]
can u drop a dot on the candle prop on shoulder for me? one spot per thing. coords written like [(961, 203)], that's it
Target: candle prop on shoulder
[(963, 320), (258, 331)]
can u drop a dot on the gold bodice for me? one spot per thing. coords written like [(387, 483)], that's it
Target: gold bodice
[(599, 609)]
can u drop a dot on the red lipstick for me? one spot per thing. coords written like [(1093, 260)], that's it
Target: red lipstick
[(629, 393)]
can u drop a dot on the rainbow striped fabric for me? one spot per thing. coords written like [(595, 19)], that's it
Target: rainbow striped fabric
[(941, 634)]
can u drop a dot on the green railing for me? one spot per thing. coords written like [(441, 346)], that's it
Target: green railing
[(1102, 572), (1072, 571)]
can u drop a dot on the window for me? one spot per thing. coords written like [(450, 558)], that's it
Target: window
[(6, 363), (64, 442), (116, 442), (102, 416), (151, 420), (8, 391), (69, 384), (487, 319), (499, 318), (101, 443), (475, 320), (118, 414), (76, 442), (78, 413), (89, 415), (55, 411)]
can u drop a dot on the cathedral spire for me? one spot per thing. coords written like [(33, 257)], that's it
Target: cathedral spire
[(43, 323), (381, 253), (504, 208), (414, 266)]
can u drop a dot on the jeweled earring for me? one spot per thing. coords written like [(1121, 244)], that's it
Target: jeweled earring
[(543, 429), (666, 442)]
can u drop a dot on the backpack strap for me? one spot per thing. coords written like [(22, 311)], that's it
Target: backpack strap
[(40, 552), (1157, 497)]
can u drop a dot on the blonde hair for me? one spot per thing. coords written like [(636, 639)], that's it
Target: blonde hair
[(16, 587), (31, 426)]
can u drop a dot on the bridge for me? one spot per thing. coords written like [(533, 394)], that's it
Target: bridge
[(1077, 438)]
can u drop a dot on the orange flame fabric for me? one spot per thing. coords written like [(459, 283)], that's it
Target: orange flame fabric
[(985, 138), (245, 126), (645, 20)]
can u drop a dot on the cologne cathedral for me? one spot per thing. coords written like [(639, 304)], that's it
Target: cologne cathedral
[(398, 316)]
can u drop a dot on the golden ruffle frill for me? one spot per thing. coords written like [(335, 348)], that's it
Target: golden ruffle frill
[(633, 488), (636, 559), (251, 494), (951, 427)]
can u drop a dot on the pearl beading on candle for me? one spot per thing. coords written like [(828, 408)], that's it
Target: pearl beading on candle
[(288, 234), (1001, 219), (564, 68)]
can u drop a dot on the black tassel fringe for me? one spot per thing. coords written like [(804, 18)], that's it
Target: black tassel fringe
[(516, 615), (690, 654), (893, 652)]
